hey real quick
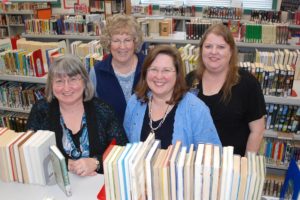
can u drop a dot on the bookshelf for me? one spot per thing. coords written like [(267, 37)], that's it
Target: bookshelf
[(27, 79), (15, 27)]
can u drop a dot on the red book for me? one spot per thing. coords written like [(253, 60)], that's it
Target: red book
[(101, 194), (38, 63)]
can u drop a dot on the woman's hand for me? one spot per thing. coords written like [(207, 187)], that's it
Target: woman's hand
[(83, 166)]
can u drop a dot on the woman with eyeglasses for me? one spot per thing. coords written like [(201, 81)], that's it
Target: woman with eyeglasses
[(84, 125), (116, 76), (162, 105)]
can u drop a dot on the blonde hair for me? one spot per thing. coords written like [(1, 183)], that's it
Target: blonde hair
[(122, 24)]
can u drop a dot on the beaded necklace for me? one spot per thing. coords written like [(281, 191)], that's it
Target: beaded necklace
[(151, 121)]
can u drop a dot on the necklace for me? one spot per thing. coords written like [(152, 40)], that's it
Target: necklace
[(150, 118)]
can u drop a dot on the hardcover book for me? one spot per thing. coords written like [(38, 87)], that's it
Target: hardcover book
[(60, 170)]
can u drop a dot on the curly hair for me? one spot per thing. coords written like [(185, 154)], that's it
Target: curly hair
[(121, 24)]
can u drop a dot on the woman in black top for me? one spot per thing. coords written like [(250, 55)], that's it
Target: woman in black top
[(234, 96)]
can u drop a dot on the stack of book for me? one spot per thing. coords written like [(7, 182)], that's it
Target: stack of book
[(144, 171), (32, 158), (25, 156)]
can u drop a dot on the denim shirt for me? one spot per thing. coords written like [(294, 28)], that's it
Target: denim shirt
[(193, 123)]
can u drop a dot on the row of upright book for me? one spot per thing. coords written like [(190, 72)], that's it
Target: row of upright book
[(32, 158), (20, 95), (283, 118), (204, 171), (279, 152), (90, 25), (13, 120), (247, 32)]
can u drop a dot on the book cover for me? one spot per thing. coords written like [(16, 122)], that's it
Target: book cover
[(60, 170), (38, 63)]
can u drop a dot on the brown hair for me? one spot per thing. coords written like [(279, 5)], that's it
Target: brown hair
[(232, 74), (122, 24), (180, 87)]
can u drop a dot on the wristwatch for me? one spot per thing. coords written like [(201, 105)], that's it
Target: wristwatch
[(98, 164)]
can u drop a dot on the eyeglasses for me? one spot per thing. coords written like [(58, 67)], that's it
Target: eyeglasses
[(72, 81), (164, 71), (118, 43)]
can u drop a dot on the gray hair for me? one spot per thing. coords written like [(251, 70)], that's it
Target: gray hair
[(69, 65), (122, 24)]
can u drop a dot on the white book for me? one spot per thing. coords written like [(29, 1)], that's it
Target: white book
[(207, 165), (179, 172), (137, 170), (223, 183), (121, 170), (149, 161), (215, 172), (249, 176), (128, 164), (229, 172), (198, 172), (107, 179), (253, 182), (29, 160), (41, 151), (111, 173), (173, 161), (257, 184), (188, 174), (262, 173)]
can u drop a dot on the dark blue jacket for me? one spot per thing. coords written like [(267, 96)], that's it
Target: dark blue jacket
[(107, 85)]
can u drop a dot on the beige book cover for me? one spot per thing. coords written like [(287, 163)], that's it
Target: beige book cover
[(236, 176), (6, 139), (189, 174), (173, 160), (243, 178)]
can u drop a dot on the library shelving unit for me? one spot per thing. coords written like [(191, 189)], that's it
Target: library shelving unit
[(25, 79), (14, 28), (68, 38)]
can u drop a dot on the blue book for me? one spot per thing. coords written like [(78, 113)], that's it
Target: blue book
[(291, 182)]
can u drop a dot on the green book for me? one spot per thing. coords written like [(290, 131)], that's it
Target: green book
[(60, 170)]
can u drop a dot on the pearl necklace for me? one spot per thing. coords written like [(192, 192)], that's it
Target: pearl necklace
[(150, 118)]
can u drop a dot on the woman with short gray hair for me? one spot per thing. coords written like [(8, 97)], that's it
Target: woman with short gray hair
[(84, 125)]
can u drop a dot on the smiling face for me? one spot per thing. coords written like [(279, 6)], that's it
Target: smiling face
[(161, 76), (216, 54), (122, 47), (68, 90)]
